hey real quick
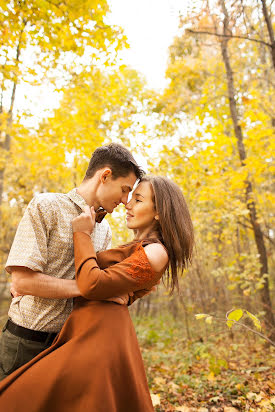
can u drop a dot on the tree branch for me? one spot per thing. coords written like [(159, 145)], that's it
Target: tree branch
[(228, 36), (251, 228)]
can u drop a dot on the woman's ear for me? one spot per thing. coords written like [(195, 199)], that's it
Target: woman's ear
[(157, 217)]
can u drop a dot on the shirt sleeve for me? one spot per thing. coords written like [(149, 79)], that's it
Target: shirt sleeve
[(131, 274), (29, 248), (108, 239)]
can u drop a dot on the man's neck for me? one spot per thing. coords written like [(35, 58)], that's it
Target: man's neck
[(87, 190)]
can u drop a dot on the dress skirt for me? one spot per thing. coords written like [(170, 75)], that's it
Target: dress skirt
[(93, 365)]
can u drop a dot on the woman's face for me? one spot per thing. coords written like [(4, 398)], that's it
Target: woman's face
[(141, 211)]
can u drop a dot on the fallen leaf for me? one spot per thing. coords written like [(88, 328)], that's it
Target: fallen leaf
[(211, 377), (173, 386), (215, 399), (254, 396), (155, 399), (160, 381)]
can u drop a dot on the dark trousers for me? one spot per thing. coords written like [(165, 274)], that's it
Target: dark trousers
[(15, 352)]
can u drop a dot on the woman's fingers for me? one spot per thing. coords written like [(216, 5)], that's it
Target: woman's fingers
[(85, 222)]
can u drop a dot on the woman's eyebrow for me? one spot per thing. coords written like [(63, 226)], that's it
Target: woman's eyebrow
[(138, 194)]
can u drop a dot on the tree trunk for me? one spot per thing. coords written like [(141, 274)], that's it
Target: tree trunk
[(270, 31), (251, 206), (186, 321), (5, 145)]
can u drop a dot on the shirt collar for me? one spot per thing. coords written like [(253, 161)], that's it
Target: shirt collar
[(77, 199)]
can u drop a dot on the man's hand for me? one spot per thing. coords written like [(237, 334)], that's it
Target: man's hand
[(13, 292), (85, 222)]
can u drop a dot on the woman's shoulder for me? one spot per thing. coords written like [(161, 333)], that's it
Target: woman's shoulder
[(157, 256)]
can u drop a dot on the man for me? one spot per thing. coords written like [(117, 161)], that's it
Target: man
[(41, 258)]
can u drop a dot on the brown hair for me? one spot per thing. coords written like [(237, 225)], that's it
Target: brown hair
[(174, 227), (115, 156)]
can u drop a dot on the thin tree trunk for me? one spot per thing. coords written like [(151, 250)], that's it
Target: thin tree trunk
[(270, 30), (5, 145), (251, 206), (186, 321)]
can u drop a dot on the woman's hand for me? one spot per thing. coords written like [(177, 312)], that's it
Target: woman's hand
[(85, 222)]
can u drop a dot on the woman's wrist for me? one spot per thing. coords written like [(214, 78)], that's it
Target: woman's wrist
[(82, 231)]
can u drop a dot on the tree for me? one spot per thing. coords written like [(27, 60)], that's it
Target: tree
[(62, 36), (201, 90)]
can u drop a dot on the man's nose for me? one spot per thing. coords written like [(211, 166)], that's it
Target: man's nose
[(124, 199)]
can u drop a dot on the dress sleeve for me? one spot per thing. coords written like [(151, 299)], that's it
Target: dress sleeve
[(131, 274)]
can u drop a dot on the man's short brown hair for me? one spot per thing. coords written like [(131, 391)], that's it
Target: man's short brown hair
[(117, 158)]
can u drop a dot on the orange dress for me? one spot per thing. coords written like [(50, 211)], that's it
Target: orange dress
[(95, 363)]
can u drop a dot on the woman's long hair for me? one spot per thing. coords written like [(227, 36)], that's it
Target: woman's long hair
[(174, 227)]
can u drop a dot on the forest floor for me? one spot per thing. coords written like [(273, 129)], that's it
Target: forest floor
[(213, 371)]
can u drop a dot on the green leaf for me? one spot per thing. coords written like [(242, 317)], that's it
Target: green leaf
[(234, 316), (209, 319), (255, 320), (201, 315), (230, 323)]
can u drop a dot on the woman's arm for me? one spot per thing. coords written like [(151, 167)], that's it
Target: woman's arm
[(141, 270)]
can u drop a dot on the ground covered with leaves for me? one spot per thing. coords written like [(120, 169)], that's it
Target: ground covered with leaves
[(216, 370)]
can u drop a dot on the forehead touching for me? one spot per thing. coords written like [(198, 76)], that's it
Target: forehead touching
[(127, 182), (143, 189)]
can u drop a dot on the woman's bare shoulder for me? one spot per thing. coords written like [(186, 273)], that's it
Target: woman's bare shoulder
[(157, 256)]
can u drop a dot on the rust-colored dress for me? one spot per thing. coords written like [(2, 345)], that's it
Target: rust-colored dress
[(95, 362)]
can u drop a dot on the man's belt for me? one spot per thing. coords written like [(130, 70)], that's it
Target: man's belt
[(34, 335)]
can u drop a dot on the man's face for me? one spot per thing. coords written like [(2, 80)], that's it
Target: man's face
[(112, 192)]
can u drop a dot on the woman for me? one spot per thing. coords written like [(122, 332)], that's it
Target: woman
[(95, 362)]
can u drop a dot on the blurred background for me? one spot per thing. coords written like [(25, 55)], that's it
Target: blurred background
[(188, 87)]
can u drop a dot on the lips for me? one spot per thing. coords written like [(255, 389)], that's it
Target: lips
[(128, 216)]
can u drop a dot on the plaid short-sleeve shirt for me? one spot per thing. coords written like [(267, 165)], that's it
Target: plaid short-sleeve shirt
[(44, 243)]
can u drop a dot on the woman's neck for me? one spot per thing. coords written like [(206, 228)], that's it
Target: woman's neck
[(146, 234)]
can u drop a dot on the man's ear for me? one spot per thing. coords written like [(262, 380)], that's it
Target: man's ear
[(105, 174)]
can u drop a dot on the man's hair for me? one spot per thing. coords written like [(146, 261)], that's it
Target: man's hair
[(117, 158)]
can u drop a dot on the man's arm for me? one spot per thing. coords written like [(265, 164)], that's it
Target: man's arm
[(27, 282)]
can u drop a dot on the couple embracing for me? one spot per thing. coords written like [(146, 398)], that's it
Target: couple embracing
[(69, 344)]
